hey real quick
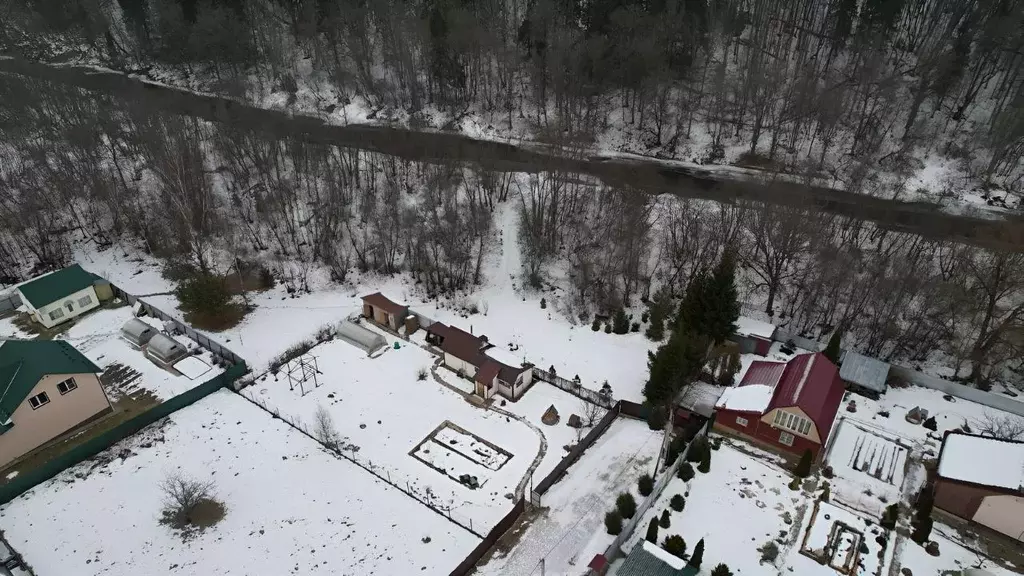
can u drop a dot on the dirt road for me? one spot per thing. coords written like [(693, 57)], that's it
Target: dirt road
[(645, 175)]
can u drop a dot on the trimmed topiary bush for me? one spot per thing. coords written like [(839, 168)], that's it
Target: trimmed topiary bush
[(675, 545), (705, 462), (677, 503), (721, 570), (626, 505), (666, 519), (698, 555), (803, 467), (645, 485), (613, 522), (652, 531), (685, 472)]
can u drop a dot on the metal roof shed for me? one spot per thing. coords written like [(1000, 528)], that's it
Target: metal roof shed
[(137, 332), (360, 337), (165, 349), (864, 372)]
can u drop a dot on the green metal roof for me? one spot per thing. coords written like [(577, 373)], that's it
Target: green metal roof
[(24, 362), (641, 562), (60, 284)]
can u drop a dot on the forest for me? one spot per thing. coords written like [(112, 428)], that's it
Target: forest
[(855, 90)]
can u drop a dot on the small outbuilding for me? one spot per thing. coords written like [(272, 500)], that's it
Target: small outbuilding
[(862, 374), (137, 332), (164, 350), (981, 480), (384, 311), (60, 296), (360, 337), (646, 559), (754, 336)]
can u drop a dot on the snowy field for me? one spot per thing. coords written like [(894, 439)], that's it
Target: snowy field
[(384, 413), (291, 508), (97, 335), (869, 466), (737, 507), (570, 529)]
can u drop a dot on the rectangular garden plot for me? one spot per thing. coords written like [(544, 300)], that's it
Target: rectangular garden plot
[(460, 455), (845, 542)]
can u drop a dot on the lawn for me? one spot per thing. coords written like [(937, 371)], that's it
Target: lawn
[(291, 508)]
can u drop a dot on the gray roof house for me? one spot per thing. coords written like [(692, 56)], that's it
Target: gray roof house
[(648, 559), (863, 374)]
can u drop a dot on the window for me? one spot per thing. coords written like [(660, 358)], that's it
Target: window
[(38, 400), (66, 386), (69, 306), (786, 438), (56, 314), (792, 422), (742, 421), (85, 301)]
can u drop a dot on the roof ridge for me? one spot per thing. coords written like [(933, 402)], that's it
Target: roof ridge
[(803, 379)]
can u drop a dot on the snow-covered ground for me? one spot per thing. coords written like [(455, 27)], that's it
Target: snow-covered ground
[(736, 508), (952, 556), (570, 528), (838, 541), (291, 508), (379, 406), (97, 335), (869, 466)]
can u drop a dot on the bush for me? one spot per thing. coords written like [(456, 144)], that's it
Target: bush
[(677, 503), (705, 463), (421, 374), (635, 327), (613, 522), (922, 531), (675, 545), (685, 472), (656, 331), (674, 449), (697, 449), (626, 505), (826, 493), (620, 322), (803, 468), (794, 484), (266, 278), (543, 303), (698, 555), (890, 517), (644, 316), (607, 328), (666, 519), (645, 485), (769, 552), (931, 424), (721, 570), (596, 326), (656, 418), (203, 294), (652, 531)]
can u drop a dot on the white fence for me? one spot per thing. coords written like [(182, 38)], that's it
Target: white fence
[(615, 549)]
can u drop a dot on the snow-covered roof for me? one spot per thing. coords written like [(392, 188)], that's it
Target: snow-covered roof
[(983, 460), (864, 371), (700, 398), (749, 398), (661, 554), (505, 356), (751, 327)]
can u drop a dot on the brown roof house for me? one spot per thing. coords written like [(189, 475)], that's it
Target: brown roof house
[(383, 311), (981, 479), (47, 388), (492, 370)]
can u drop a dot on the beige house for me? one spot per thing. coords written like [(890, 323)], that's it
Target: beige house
[(60, 296), (47, 388)]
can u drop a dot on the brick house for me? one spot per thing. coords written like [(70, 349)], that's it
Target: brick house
[(787, 406)]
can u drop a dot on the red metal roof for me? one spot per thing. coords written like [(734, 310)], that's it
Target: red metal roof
[(378, 300), (763, 372), (487, 372), (811, 382)]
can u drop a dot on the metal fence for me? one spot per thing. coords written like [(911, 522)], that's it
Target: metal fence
[(575, 388), (959, 390), (614, 550), (9, 301), (180, 327), (380, 472), (468, 565)]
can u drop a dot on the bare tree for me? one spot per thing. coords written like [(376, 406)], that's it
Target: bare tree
[(590, 413), (1002, 426), (182, 494), (324, 429)]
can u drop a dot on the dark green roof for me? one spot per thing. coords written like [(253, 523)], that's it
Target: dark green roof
[(24, 362), (640, 562), (60, 284)]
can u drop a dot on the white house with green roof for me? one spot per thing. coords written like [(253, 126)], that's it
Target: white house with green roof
[(47, 389), (60, 296)]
